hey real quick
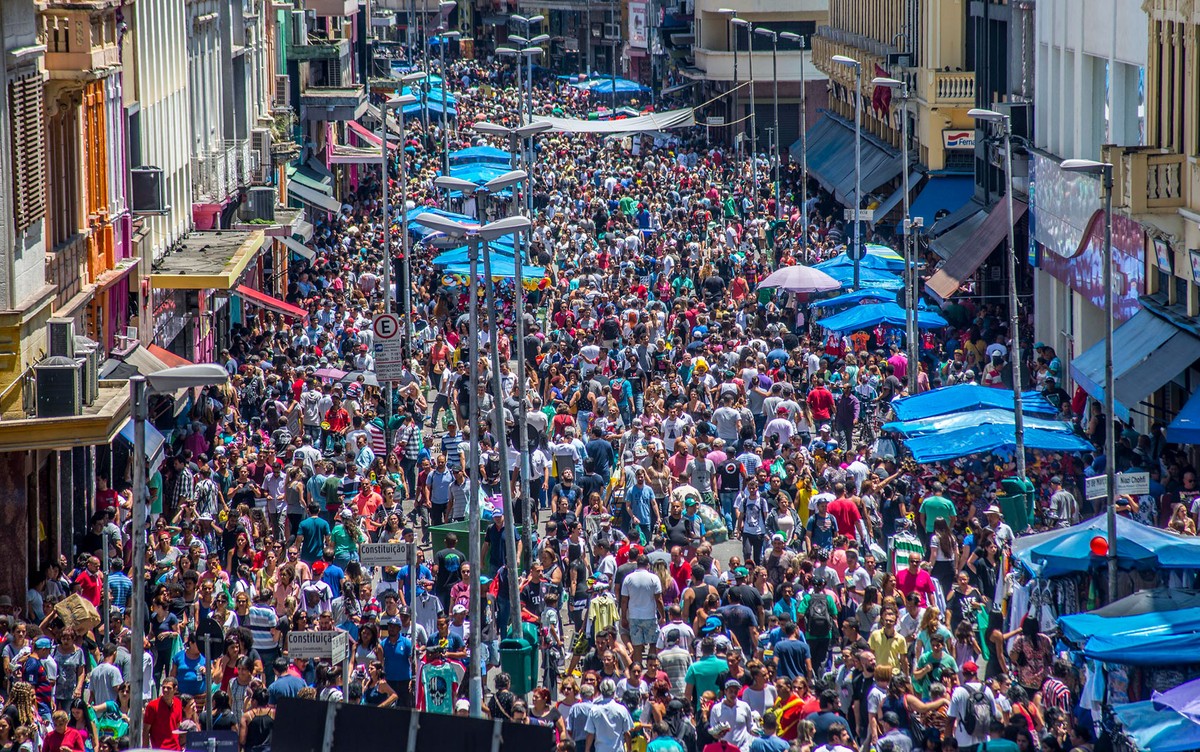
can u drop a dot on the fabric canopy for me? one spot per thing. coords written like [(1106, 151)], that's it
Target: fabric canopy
[(155, 443), (607, 86), (1183, 699), (499, 248), (480, 155), (1185, 429), (1154, 600), (870, 315), (951, 445), (867, 277), (313, 198), (1068, 550), (478, 173), (1079, 628), (1156, 728), (502, 267), (263, 300), (298, 248), (942, 193), (964, 397), (955, 421), (370, 137), (875, 261), (434, 107), (681, 118), (854, 298)]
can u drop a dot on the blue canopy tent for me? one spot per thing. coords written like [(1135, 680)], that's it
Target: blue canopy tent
[(421, 231), (954, 421), (870, 315), (1068, 550), (874, 261), (854, 298), (480, 155), (478, 173), (965, 397), (1156, 728), (874, 278), (1185, 429), (435, 94), (501, 248), (502, 266), (951, 445), (435, 108), (600, 86), (1079, 628)]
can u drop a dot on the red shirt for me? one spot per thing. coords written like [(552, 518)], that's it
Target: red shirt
[(106, 499), (68, 739), (820, 401), (91, 586), (161, 721), (847, 515), (682, 574), (907, 582)]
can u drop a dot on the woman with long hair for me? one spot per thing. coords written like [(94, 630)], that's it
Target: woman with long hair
[(82, 720), (377, 692), (931, 626), (994, 639), (943, 552), (670, 589), (285, 586), (367, 651)]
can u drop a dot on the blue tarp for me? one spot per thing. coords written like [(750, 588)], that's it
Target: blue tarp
[(1079, 628), (435, 94), (963, 397), (949, 192), (501, 248), (420, 230), (155, 443), (1158, 729), (501, 267), (478, 173), (600, 86), (874, 261), (480, 155), (1185, 429), (867, 277), (951, 445), (435, 108), (955, 421), (1068, 550), (870, 315), (854, 298)]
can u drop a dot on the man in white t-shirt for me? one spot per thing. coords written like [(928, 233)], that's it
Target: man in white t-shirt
[(642, 606), (971, 705)]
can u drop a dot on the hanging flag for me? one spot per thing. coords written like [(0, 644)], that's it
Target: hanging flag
[(881, 98)]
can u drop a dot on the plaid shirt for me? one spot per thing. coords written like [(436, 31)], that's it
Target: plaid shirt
[(185, 487)]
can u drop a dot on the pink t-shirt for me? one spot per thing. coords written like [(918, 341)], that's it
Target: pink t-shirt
[(921, 583)]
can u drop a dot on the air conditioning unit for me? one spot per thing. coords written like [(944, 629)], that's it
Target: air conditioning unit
[(260, 203), (260, 141), (612, 31), (88, 351), (283, 92), (59, 392), (149, 190), (60, 337)]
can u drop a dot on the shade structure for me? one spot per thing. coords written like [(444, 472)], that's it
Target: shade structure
[(1154, 600), (1183, 699), (1079, 628), (434, 107), (867, 277), (854, 298), (271, 303), (870, 315), (416, 228), (658, 121), (1156, 728), (964, 442), (601, 86), (947, 193), (874, 261), (435, 94), (1068, 550), (499, 248), (502, 268), (799, 279), (480, 155), (478, 173), (966, 397), (955, 421), (1185, 429)]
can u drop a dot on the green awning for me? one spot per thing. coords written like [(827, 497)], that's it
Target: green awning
[(313, 175)]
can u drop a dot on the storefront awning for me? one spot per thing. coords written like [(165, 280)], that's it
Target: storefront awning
[(302, 231), (263, 300), (1185, 429), (155, 443), (313, 175), (213, 260), (298, 248), (830, 158), (1148, 351), (892, 201), (990, 233), (168, 357), (368, 136), (313, 198), (942, 192), (343, 154)]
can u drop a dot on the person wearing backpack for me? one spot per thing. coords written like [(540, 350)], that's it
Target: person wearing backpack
[(972, 709), (820, 620)]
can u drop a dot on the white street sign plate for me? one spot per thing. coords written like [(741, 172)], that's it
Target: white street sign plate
[(389, 347), (383, 554), (1128, 484), (330, 646)]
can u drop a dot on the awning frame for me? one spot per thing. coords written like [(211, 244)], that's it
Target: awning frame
[(313, 198), (967, 259)]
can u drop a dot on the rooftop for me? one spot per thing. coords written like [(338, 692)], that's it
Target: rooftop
[(98, 424), (207, 260)]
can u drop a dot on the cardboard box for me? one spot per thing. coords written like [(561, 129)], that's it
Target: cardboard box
[(77, 613)]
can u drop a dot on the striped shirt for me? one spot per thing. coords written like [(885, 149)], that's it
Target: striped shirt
[(1055, 694), (119, 589), (450, 448), (260, 620)]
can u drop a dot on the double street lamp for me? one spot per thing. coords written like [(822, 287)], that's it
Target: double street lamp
[(858, 248), (799, 41), (140, 390), (1105, 171), (741, 22), (774, 37), (444, 36)]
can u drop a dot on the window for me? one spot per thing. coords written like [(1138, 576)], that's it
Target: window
[(28, 150)]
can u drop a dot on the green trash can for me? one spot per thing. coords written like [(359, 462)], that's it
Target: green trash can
[(519, 659), (437, 537), (1017, 502)]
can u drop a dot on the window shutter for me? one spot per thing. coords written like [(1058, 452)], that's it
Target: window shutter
[(28, 150)]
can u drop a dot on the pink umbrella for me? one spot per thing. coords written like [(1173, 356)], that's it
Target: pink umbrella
[(800, 279)]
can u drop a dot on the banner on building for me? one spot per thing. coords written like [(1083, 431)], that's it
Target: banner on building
[(637, 24)]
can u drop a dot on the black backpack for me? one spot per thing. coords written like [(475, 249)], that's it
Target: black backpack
[(978, 712), (817, 618)]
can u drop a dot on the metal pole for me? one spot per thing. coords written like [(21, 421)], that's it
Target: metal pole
[(1013, 316), (737, 111), (445, 142), (803, 154), (651, 18), (387, 275), (414, 572), (910, 252), (519, 349), (106, 603), (514, 565), (137, 595), (474, 551), (1110, 435), (404, 241), (775, 105), (857, 168), (753, 119)]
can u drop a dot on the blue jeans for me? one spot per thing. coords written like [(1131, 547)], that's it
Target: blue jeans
[(727, 499)]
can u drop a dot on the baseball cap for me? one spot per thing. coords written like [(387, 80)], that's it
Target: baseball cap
[(970, 667), (347, 514), (732, 683), (43, 643), (462, 705), (459, 609), (741, 572), (778, 537)]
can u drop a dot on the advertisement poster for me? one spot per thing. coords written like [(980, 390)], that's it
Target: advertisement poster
[(637, 25)]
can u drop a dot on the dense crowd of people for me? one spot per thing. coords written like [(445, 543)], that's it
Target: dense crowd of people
[(672, 408)]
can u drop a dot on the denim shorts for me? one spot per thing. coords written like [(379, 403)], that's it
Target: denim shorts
[(643, 631)]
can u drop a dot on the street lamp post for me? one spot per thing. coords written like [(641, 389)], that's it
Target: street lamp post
[(799, 40), (474, 236), (443, 37), (753, 107), (910, 251), (1105, 171), (774, 37), (858, 249), (732, 14), (1004, 124), (140, 390)]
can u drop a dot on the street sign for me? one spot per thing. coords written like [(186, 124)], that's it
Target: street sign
[(865, 215), (1128, 484), (715, 120), (389, 347), (383, 554), (330, 646)]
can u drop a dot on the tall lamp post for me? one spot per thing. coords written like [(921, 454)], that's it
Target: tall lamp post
[(474, 236), (140, 390), (774, 37), (799, 40), (858, 248), (753, 106), (732, 14), (910, 253), (444, 36), (1105, 171), (1004, 124), (515, 136)]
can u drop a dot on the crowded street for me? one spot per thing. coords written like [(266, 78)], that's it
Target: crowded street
[(580, 407)]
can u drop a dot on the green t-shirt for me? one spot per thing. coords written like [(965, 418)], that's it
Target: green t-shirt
[(948, 667), (331, 492), (664, 744), (156, 496), (935, 508), (702, 675), (802, 609), (344, 544)]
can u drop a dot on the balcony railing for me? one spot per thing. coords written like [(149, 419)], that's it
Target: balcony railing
[(1147, 179), (219, 173), (956, 87)]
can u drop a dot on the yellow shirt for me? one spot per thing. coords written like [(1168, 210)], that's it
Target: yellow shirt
[(887, 650)]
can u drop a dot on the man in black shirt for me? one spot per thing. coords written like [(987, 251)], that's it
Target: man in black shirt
[(447, 566)]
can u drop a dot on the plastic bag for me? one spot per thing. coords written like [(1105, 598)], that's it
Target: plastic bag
[(714, 524)]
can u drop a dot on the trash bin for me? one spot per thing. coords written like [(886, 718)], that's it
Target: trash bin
[(519, 659), (1017, 503), (437, 538)]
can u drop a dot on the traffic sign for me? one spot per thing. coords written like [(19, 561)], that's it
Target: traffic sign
[(389, 347), (333, 646), (383, 554), (1128, 484)]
